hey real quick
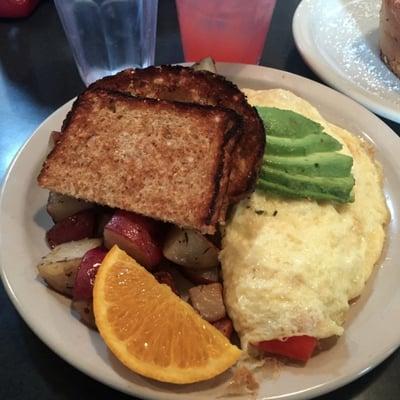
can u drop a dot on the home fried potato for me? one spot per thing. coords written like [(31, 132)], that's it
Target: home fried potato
[(189, 248), (60, 206), (58, 268)]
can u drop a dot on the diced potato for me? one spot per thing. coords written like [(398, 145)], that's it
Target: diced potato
[(208, 301), (86, 275), (60, 206), (55, 136), (206, 64), (135, 234), (225, 326), (60, 276), (181, 283), (84, 308), (201, 276), (166, 278), (73, 228), (58, 268), (103, 218), (190, 249)]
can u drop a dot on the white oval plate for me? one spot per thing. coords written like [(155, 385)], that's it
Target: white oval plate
[(23, 224), (339, 40)]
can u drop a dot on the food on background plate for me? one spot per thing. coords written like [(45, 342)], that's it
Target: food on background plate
[(158, 158), (291, 266), (389, 34)]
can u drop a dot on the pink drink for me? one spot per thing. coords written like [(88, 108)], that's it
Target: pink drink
[(227, 30)]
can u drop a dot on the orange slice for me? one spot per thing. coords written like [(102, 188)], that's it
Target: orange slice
[(151, 330)]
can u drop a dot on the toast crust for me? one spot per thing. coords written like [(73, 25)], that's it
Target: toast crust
[(183, 84), (181, 161)]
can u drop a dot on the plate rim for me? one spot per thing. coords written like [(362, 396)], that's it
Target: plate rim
[(306, 47), (46, 339)]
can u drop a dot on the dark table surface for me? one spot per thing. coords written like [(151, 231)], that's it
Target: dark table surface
[(37, 75)]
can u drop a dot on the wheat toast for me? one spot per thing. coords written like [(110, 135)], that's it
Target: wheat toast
[(167, 160), (183, 84)]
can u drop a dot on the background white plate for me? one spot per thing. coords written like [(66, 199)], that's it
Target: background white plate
[(23, 224), (339, 40)]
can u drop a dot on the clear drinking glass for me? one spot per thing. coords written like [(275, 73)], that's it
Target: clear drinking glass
[(226, 30), (107, 36)]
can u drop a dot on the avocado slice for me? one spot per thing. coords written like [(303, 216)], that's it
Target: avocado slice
[(320, 142), (284, 191), (288, 124), (317, 164), (305, 186), (301, 160)]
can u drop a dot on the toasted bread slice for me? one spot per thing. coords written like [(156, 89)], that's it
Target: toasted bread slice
[(167, 160), (186, 85)]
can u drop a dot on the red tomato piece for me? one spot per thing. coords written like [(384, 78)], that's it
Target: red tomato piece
[(297, 348)]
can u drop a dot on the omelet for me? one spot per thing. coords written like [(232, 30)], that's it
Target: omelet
[(291, 266)]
